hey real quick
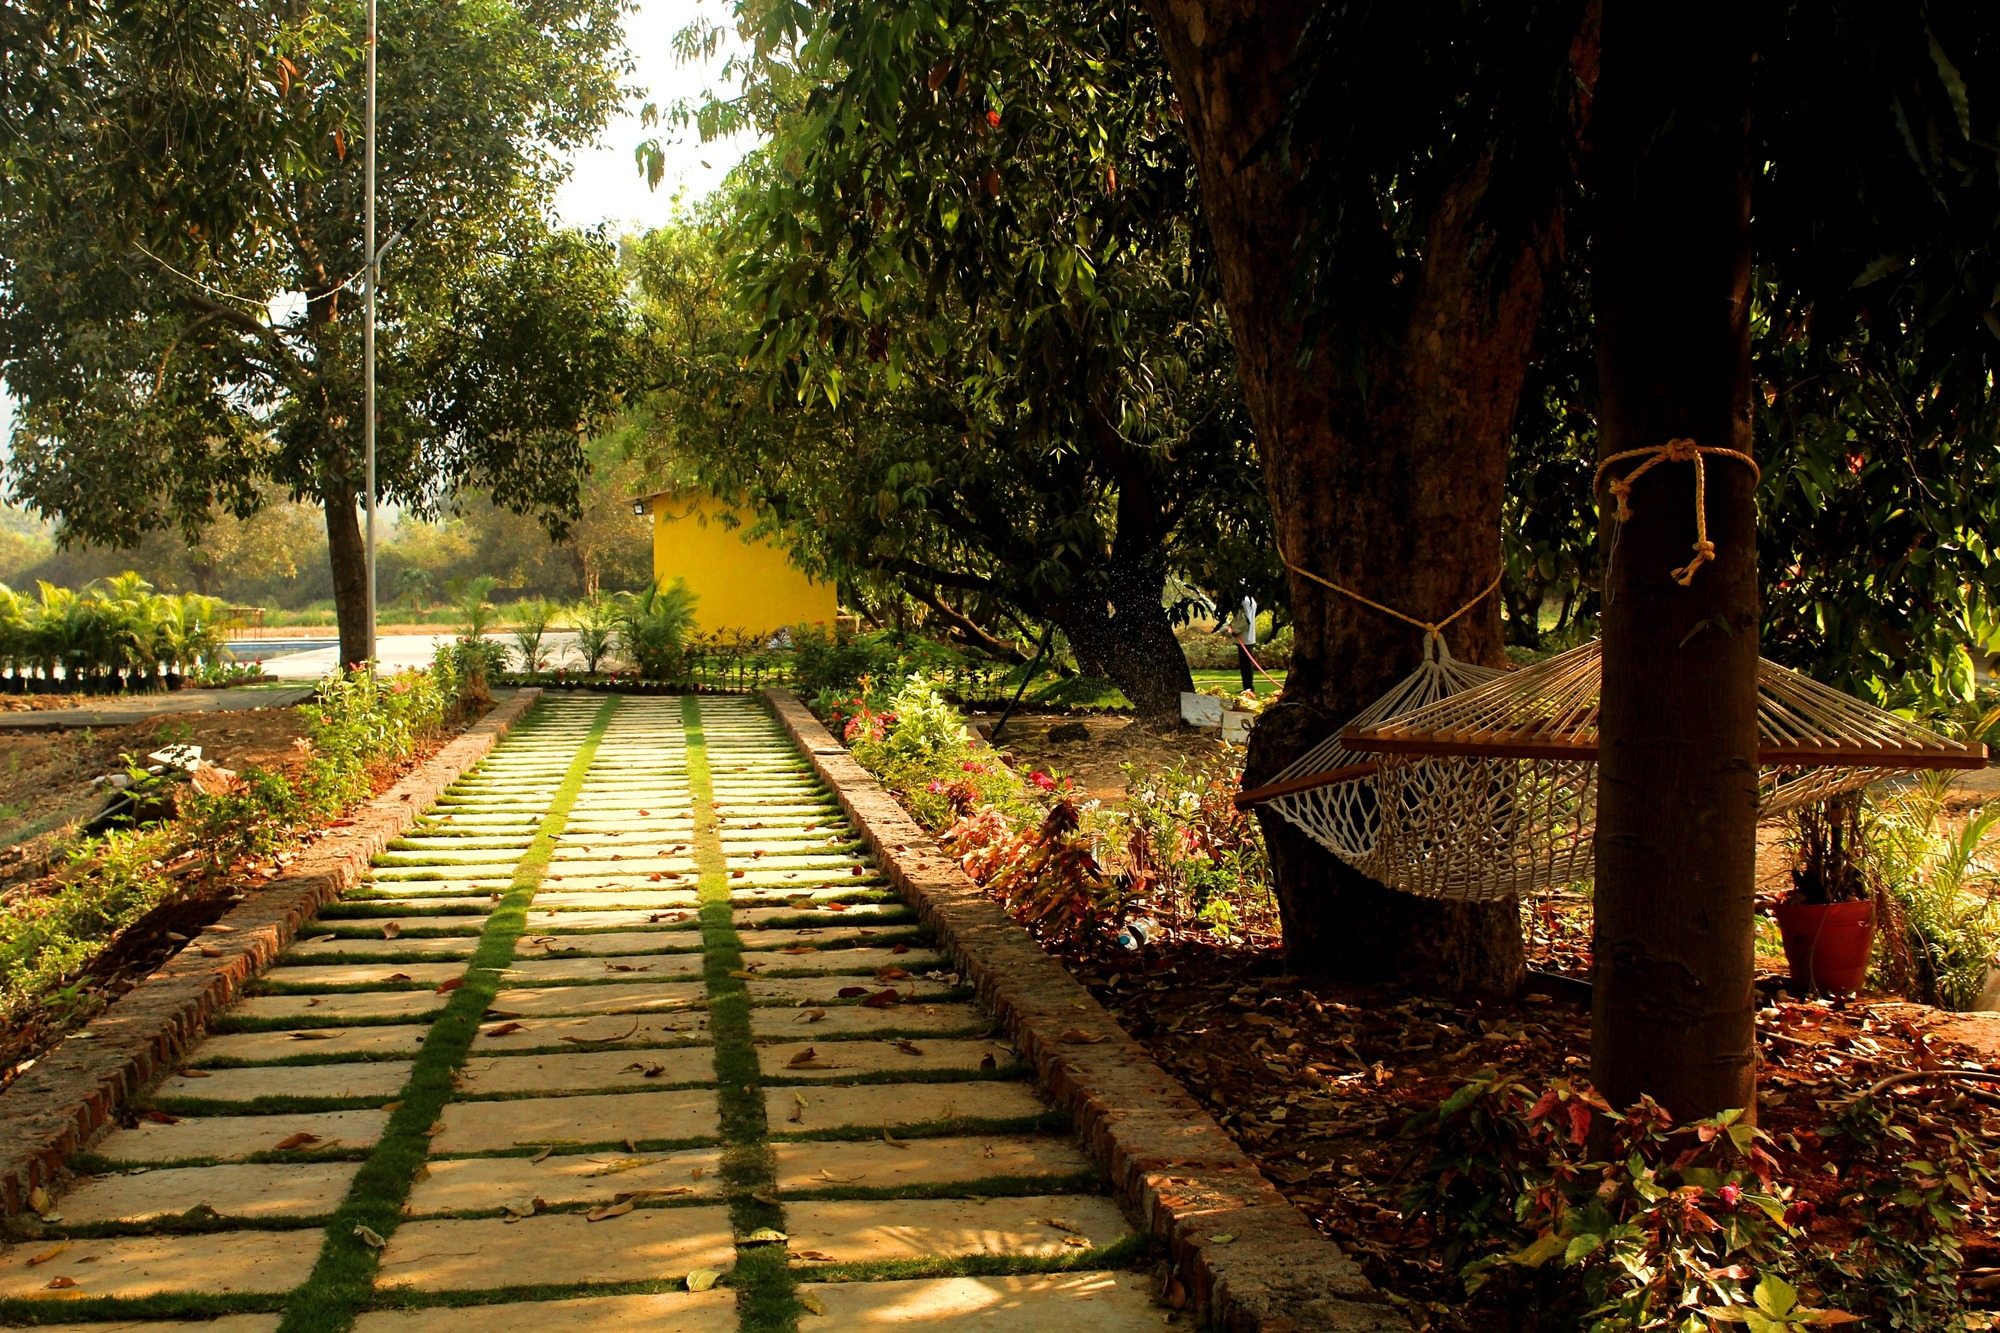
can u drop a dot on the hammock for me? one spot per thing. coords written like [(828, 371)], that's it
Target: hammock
[(1491, 791), (1330, 791)]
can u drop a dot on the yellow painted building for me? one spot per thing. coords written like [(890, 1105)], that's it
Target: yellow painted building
[(739, 583)]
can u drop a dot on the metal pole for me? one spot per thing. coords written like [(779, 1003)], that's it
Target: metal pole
[(368, 333)]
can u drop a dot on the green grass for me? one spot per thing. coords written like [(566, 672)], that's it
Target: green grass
[(767, 1302), (342, 1282)]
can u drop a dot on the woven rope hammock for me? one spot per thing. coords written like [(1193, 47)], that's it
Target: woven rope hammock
[(1330, 792), (1491, 791), (1518, 810)]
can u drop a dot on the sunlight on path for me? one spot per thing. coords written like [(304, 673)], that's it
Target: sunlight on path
[(629, 1011)]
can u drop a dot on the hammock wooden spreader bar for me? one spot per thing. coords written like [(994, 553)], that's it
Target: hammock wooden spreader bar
[(1550, 710), (1250, 796)]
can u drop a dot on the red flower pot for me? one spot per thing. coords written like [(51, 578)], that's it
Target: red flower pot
[(1827, 944)]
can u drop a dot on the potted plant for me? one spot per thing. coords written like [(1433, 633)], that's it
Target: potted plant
[(1828, 921)]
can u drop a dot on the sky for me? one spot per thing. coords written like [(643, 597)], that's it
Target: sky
[(605, 184)]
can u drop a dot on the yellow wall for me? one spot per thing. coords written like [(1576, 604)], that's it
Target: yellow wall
[(738, 584)]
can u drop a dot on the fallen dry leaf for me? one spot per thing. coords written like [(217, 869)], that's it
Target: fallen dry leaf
[(764, 1236), (37, 1260), (298, 1140), (887, 999), (1078, 1037), (446, 988), (369, 1236), (61, 1283), (609, 1210), (701, 1279), (505, 1029), (391, 929), (908, 1047), (812, 1303)]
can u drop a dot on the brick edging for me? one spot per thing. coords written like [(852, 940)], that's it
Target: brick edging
[(58, 1106), (1172, 1165)]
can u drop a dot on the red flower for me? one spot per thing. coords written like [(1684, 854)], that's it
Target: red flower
[(1730, 1194), (993, 119), (1042, 780), (972, 766), (1800, 1213)]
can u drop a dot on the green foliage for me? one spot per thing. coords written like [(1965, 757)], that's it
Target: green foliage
[(596, 621), (143, 256), (989, 370), (1190, 853), (531, 622), (653, 628), (116, 626), (356, 722), (475, 612), (1939, 882), (1628, 1223)]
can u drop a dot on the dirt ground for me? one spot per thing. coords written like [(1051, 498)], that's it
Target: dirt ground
[(45, 775), (1095, 759)]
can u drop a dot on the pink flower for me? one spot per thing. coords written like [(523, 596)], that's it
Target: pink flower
[(972, 766), (1730, 1194), (1042, 780)]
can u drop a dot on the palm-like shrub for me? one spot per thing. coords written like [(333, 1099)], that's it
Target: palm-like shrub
[(531, 622), (596, 620), (115, 629), (653, 628)]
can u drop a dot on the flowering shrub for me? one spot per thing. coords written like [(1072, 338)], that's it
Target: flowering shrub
[(1618, 1222), (1191, 852)]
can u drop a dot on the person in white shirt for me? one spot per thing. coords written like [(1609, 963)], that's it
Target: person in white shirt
[(1243, 628)]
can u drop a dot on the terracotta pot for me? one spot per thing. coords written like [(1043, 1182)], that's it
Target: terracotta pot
[(1827, 944)]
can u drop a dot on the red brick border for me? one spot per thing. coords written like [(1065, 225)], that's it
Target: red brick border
[(55, 1108), (1171, 1163)]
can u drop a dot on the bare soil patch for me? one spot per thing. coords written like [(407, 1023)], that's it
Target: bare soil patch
[(1092, 749)]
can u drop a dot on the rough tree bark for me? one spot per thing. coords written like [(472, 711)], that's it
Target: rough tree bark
[(348, 555), (1673, 1014), (1394, 491)]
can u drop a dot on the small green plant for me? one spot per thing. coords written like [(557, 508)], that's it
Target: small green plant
[(532, 619), (653, 626), (596, 621), (1190, 852), (476, 613), (1939, 880)]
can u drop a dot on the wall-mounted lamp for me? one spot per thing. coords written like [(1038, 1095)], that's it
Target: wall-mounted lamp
[(639, 508)]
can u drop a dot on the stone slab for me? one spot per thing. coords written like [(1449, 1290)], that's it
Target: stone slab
[(542, 919), (364, 974), (853, 962), (760, 939), (374, 925), (601, 900), (252, 1189), (834, 1060), (360, 1004), (647, 1244), (228, 1137), (671, 1312), (465, 1184), (320, 1042), (587, 1032), (749, 917), (1036, 1303), (381, 1079), (875, 1164), (775, 1022), (585, 1071), (871, 1230), (229, 1323), (609, 943), (826, 990), (874, 1105), (471, 1127), (663, 967), (410, 947), (634, 997), (132, 1266)]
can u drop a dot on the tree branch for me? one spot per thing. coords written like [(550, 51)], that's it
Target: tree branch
[(958, 620), (288, 365)]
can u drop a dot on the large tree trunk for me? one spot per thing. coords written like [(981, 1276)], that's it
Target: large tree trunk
[(1128, 639), (1677, 767), (1393, 490), (348, 554)]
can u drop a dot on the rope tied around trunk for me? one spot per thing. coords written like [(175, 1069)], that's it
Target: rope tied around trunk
[(1674, 451), (1433, 630)]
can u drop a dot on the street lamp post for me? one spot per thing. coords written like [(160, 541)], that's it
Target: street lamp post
[(372, 265)]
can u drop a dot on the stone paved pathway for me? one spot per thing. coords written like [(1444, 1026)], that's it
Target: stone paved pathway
[(627, 1033)]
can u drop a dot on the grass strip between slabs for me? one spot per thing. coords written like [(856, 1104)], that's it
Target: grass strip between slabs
[(768, 1302), (342, 1282)]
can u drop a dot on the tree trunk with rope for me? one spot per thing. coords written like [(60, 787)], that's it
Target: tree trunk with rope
[(1673, 1013), (1393, 490)]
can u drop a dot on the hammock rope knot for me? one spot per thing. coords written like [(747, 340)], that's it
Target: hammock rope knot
[(1678, 450)]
